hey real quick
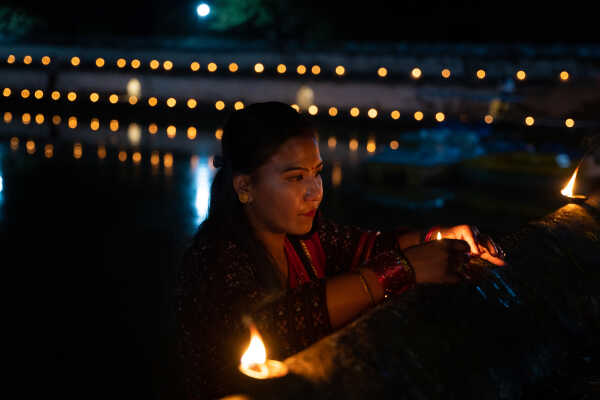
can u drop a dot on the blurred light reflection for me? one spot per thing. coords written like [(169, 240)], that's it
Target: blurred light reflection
[(202, 177)]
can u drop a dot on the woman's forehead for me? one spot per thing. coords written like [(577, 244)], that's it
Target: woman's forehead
[(301, 151)]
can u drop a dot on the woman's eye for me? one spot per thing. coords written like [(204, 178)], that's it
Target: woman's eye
[(296, 178)]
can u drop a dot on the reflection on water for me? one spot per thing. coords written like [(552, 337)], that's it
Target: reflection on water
[(203, 176)]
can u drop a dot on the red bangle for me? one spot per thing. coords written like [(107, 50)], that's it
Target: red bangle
[(431, 232)]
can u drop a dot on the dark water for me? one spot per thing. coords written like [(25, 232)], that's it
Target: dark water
[(90, 246)]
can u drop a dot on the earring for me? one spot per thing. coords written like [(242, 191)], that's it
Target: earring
[(243, 197)]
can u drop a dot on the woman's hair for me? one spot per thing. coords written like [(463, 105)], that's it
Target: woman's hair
[(251, 136)]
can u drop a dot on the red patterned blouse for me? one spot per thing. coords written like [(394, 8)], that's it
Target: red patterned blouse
[(213, 293)]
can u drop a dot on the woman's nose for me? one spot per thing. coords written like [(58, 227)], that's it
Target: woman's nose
[(314, 190)]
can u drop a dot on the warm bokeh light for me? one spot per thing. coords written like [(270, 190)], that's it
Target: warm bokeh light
[(382, 72), (371, 146), (238, 105), (95, 124), (191, 133), (168, 65), (27, 60), (219, 134), (313, 109), (395, 114), (154, 64), (56, 119), (25, 93), (333, 111), (152, 128), (480, 74), (135, 63), (192, 103), (10, 59), (113, 125), (26, 118), (372, 113), (564, 76), (72, 122), (446, 73), (7, 117), (316, 70), (353, 145), (55, 95), (416, 73), (418, 115), (171, 131), (394, 145), (101, 152), (195, 66), (332, 142), (336, 174), (121, 63), (354, 111), (49, 150), (6, 92), (113, 98), (14, 143), (155, 158), (133, 100), (77, 151), (529, 120), (488, 119), (340, 70), (39, 119), (171, 102), (30, 146), (99, 62), (168, 160), (122, 156), (212, 67), (94, 97), (75, 61), (259, 68), (136, 157), (38, 94), (295, 107), (568, 189), (220, 105), (281, 68), (152, 101), (233, 67), (440, 117), (301, 69), (521, 75), (569, 123), (71, 96)]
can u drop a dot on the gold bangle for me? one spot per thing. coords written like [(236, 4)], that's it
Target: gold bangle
[(366, 287)]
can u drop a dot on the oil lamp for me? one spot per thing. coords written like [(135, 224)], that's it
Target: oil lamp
[(254, 362), (567, 191)]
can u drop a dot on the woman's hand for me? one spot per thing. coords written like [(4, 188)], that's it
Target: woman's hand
[(438, 261), (480, 245)]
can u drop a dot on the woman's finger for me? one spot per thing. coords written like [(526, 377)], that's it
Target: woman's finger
[(467, 236), (493, 259)]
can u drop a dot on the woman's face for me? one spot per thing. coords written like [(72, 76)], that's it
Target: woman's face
[(286, 191)]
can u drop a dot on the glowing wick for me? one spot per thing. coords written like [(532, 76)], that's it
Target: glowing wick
[(439, 236), (256, 352), (568, 190), (254, 362)]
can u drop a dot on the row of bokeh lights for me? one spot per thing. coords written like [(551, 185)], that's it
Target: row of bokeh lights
[(238, 105), (301, 69), (134, 130)]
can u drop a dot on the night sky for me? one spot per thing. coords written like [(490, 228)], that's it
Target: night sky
[(373, 20)]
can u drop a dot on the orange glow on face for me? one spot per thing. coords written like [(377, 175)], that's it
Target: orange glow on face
[(195, 66)]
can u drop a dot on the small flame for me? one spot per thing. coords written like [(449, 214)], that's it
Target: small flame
[(568, 190), (439, 236), (256, 353)]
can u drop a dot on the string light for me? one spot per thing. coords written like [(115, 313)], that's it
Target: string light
[(333, 111), (418, 115), (316, 70), (25, 93), (72, 122), (152, 101), (564, 76), (39, 119), (10, 59), (171, 102), (219, 134), (8, 117), (340, 70), (191, 133), (440, 117), (26, 118), (521, 75), (6, 92), (99, 62), (488, 119), (212, 67), (353, 145), (101, 152), (30, 146), (395, 114), (121, 63), (332, 142), (238, 105), (569, 123), (281, 68), (480, 74), (56, 120), (372, 113), (75, 61), (136, 157), (49, 150), (135, 63), (154, 64), (259, 68), (354, 112), (122, 156), (94, 97), (192, 103), (46, 60), (153, 128), (295, 107), (195, 66), (71, 96), (220, 105), (168, 160), (446, 73), (301, 69), (133, 100), (394, 145), (77, 151), (233, 67), (382, 72), (95, 124), (155, 158), (113, 125), (313, 109), (168, 65), (416, 73), (171, 131), (371, 146), (55, 95), (27, 60), (14, 143), (529, 120), (38, 94)]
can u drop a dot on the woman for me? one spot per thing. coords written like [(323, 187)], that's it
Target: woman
[(265, 251)]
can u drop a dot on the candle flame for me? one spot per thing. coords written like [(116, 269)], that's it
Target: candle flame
[(256, 352), (439, 236), (568, 190)]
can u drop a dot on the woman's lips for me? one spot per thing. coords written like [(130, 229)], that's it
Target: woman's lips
[(310, 213)]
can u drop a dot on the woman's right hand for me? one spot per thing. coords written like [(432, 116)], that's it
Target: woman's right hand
[(437, 261)]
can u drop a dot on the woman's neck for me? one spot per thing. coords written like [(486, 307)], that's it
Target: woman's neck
[(273, 242)]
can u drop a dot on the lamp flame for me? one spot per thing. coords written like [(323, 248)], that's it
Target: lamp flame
[(439, 236), (256, 353), (568, 190)]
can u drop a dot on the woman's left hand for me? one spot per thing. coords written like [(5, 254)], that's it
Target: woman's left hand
[(480, 245)]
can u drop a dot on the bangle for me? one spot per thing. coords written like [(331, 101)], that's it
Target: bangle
[(431, 232), (366, 287)]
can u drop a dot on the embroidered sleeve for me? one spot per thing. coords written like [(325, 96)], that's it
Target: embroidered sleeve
[(347, 246), (212, 297)]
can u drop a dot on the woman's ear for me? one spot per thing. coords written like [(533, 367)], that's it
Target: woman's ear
[(242, 186)]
